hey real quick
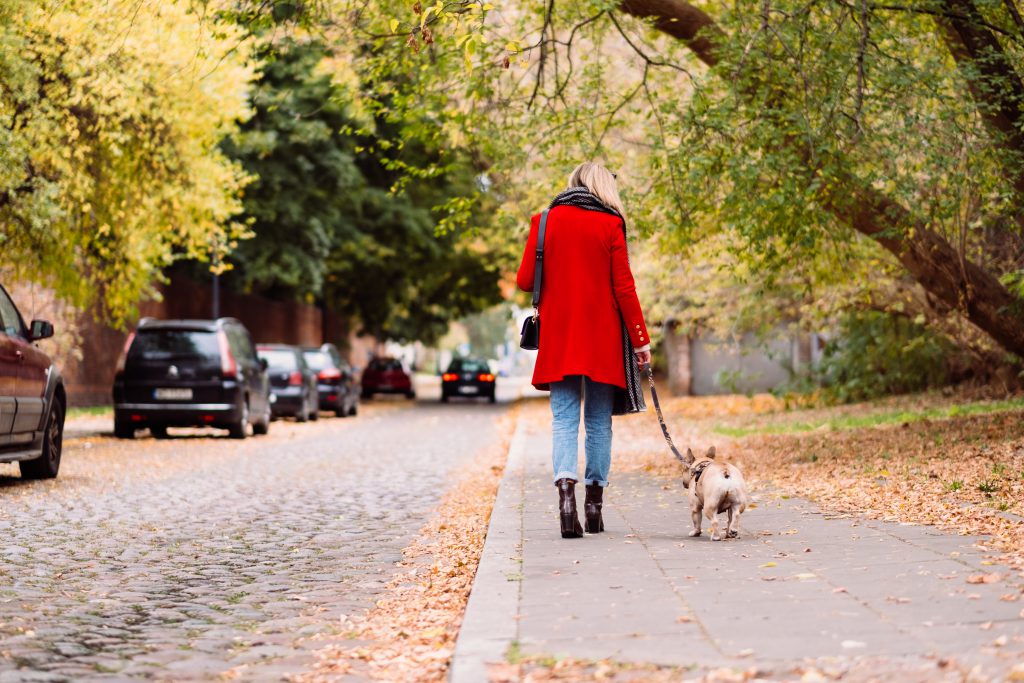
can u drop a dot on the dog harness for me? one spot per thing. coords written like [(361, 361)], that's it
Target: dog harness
[(699, 470)]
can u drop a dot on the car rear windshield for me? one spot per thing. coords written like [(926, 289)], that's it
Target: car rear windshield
[(280, 359), (468, 366), (168, 344), (318, 360), (386, 365)]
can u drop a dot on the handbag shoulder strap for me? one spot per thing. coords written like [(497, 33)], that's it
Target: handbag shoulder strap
[(538, 263)]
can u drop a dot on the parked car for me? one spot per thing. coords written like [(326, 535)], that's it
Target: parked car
[(190, 373), (387, 376), (292, 382), (335, 381), (32, 398), (468, 377)]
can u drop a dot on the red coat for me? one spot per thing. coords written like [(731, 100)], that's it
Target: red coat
[(586, 283)]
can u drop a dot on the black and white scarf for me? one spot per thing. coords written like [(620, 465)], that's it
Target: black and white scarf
[(630, 399)]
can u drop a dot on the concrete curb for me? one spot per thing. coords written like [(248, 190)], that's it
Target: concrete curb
[(490, 626)]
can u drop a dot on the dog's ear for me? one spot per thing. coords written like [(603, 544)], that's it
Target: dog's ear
[(689, 456), (711, 452)]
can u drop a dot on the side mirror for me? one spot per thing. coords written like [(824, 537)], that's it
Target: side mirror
[(264, 364), (40, 329)]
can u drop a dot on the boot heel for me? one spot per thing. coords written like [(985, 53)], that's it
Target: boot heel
[(570, 526), (592, 509)]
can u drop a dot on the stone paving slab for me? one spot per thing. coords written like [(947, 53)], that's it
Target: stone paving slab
[(797, 585)]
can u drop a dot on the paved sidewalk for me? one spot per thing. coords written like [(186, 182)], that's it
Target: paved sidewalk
[(797, 586)]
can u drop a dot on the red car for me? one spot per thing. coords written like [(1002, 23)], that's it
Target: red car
[(32, 397), (387, 376)]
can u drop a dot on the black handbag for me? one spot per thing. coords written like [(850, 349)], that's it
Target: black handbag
[(529, 338)]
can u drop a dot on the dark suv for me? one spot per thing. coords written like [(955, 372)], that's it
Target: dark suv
[(32, 398), (190, 373)]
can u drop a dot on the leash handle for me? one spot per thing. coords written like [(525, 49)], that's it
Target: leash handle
[(661, 418)]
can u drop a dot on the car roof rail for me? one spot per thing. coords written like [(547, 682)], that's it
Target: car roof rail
[(146, 320)]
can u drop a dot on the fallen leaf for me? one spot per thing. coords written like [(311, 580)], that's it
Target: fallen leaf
[(766, 565), (986, 626), (684, 619), (1010, 597), (852, 644), (983, 578), (1000, 641), (901, 601), (839, 590)]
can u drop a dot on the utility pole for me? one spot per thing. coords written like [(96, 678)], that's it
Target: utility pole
[(215, 269)]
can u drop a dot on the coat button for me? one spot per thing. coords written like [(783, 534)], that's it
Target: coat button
[(638, 327)]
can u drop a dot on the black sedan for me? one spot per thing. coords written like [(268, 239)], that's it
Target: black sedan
[(468, 377), (335, 380), (292, 382)]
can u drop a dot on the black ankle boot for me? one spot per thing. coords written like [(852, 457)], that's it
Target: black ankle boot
[(592, 508), (567, 515)]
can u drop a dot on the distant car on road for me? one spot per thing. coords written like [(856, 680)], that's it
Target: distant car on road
[(335, 381), (292, 382), (468, 377), (32, 399), (387, 376), (190, 373)]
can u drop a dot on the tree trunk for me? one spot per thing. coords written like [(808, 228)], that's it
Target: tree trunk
[(930, 259)]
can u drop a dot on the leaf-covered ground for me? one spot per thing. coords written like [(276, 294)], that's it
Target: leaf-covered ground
[(956, 462)]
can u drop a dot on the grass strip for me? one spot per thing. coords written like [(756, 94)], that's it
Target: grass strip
[(875, 419)]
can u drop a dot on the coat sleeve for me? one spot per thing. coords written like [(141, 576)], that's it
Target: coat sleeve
[(525, 276), (625, 289)]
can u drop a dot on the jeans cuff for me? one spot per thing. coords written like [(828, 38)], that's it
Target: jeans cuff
[(599, 482), (566, 475)]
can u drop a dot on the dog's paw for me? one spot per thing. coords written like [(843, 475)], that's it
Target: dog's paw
[(716, 537), (695, 532), (733, 534)]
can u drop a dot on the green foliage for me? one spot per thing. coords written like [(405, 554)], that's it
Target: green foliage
[(109, 118), (873, 354), (345, 215)]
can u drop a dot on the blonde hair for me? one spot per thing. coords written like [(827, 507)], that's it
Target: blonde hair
[(601, 183)]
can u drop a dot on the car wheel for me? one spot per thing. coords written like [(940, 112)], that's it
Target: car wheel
[(354, 410), (158, 431), (123, 430), (239, 429), (367, 395), (48, 462), (444, 397), (303, 414), (262, 426), (410, 394), (492, 398)]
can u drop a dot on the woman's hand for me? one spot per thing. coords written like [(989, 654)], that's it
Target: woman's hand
[(643, 357)]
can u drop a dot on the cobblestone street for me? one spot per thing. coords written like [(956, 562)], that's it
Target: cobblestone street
[(199, 557)]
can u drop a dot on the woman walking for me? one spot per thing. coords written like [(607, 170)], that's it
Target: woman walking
[(592, 332)]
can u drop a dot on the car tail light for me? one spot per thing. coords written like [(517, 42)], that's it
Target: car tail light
[(449, 377), (208, 418), (124, 353), (485, 377), (138, 418), (329, 373), (228, 366), (295, 379)]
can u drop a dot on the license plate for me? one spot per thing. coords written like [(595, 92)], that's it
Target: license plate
[(467, 390), (172, 394)]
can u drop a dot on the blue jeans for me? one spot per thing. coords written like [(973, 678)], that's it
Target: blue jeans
[(596, 398)]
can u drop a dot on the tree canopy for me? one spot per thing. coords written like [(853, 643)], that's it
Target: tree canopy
[(110, 117), (818, 145), (336, 213)]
